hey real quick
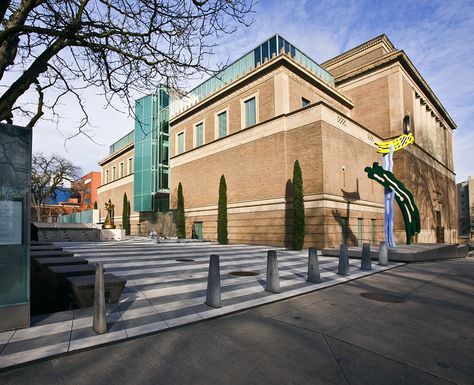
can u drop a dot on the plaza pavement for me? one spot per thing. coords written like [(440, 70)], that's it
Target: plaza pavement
[(163, 293), (333, 336)]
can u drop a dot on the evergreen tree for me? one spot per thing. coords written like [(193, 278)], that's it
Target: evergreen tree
[(95, 205), (222, 213), (180, 223), (126, 214), (297, 240)]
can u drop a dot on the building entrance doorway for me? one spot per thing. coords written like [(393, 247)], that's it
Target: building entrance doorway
[(198, 229)]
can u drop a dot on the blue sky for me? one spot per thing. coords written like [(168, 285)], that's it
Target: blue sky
[(436, 35)]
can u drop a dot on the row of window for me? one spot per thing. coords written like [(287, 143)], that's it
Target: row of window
[(121, 171), (249, 111), (360, 223)]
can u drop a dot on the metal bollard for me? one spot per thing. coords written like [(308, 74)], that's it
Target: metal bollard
[(99, 319), (313, 266), (343, 267), (273, 278), (383, 254), (213, 294), (366, 261)]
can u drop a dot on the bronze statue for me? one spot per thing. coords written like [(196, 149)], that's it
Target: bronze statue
[(109, 220)]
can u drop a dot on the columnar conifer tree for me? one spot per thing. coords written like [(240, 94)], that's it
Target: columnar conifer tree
[(222, 236), (126, 214), (298, 208), (180, 223)]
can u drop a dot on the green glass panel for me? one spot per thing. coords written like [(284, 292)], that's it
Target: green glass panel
[(222, 122), (180, 143), (199, 134), (250, 113)]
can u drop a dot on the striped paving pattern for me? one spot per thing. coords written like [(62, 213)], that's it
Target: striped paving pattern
[(163, 292)]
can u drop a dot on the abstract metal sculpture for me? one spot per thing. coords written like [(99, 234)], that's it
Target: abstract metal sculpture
[(394, 189)]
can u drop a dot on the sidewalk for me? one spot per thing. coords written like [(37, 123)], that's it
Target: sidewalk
[(332, 336), (166, 288)]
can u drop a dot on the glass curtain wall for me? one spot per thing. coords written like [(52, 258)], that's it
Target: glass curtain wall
[(151, 165), (274, 46)]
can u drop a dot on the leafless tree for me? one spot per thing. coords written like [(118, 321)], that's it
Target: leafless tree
[(55, 48), (48, 173)]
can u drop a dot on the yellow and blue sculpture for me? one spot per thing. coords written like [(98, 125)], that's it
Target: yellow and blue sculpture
[(394, 189)]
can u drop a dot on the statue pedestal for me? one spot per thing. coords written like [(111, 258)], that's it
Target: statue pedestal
[(111, 234)]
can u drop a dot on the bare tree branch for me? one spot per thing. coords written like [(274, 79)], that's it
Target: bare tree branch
[(48, 174), (124, 47)]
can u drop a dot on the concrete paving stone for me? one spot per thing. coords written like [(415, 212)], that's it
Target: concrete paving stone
[(183, 320), (135, 304), (143, 320), (85, 330), (41, 331), (97, 339), (138, 312), (5, 338), (148, 327), (177, 313), (37, 342), (45, 319)]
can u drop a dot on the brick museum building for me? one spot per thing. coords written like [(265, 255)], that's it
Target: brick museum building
[(276, 105)]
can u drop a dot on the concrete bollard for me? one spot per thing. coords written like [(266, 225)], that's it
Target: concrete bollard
[(366, 261), (99, 319), (343, 267), (383, 254), (313, 266), (273, 278), (213, 295)]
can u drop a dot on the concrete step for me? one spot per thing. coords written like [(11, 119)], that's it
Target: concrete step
[(83, 289), (50, 254), (45, 248), (73, 270), (60, 261)]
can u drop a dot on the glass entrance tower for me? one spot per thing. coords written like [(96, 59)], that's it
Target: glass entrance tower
[(151, 165)]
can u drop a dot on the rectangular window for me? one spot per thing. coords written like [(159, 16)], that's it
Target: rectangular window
[(222, 124), (360, 223), (106, 180), (304, 102), (113, 173), (121, 169), (199, 134), (130, 165), (250, 112), (180, 142)]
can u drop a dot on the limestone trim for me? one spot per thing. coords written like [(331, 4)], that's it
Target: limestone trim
[(116, 183), (279, 204), (281, 93), (355, 52), (402, 58), (116, 154), (311, 114)]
